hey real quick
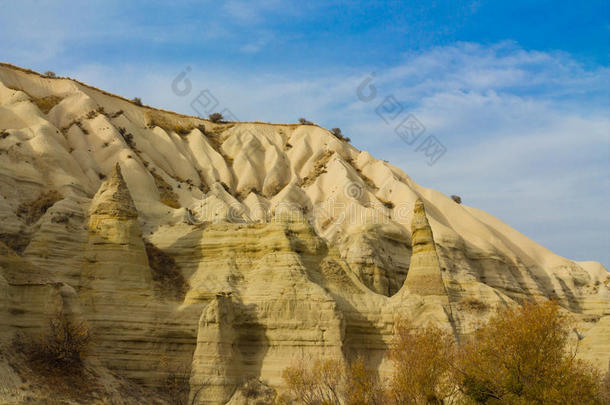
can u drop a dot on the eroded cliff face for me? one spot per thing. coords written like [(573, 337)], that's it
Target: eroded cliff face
[(231, 250)]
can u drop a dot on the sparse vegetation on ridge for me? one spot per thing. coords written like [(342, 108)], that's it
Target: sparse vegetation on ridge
[(216, 117), (339, 135)]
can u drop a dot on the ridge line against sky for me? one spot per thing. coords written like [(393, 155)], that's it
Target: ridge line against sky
[(518, 93)]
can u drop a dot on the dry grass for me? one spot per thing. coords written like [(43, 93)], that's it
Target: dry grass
[(32, 211), (168, 279), (168, 196), (474, 304), (318, 169), (168, 123), (45, 104)]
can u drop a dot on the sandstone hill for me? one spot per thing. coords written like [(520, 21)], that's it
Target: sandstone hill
[(230, 250)]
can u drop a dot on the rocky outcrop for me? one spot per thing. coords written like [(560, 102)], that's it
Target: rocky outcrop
[(287, 243), (215, 371), (424, 276)]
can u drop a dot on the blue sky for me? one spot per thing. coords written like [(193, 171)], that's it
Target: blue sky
[(517, 92)]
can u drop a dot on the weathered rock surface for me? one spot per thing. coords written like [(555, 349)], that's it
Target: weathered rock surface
[(292, 244)]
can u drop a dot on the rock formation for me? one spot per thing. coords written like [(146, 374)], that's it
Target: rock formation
[(231, 250), (424, 276)]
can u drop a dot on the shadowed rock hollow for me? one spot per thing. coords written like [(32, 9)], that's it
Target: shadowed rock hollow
[(281, 242)]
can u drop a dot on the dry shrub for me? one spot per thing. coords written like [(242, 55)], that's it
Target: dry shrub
[(422, 360), (31, 211), (315, 385), (304, 121), (337, 132), (116, 114), (216, 117), (127, 137), (137, 101), (45, 104), (62, 347), (50, 74), (362, 385), (522, 355), (457, 199), (166, 273), (181, 130), (474, 304), (605, 391)]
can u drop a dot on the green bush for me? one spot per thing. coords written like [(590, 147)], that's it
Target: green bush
[(216, 117)]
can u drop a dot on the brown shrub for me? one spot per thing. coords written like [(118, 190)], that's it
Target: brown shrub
[(605, 391), (315, 385), (165, 273), (522, 355), (50, 74), (457, 199), (180, 130), (422, 359), (216, 117), (362, 385), (304, 121), (62, 347), (116, 114), (474, 304), (137, 101), (31, 211), (127, 137), (337, 133)]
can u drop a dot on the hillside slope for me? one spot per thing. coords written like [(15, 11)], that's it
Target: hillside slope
[(232, 248)]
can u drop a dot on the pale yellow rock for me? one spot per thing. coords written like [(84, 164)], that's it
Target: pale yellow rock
[(294, 244), (424, 276)]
